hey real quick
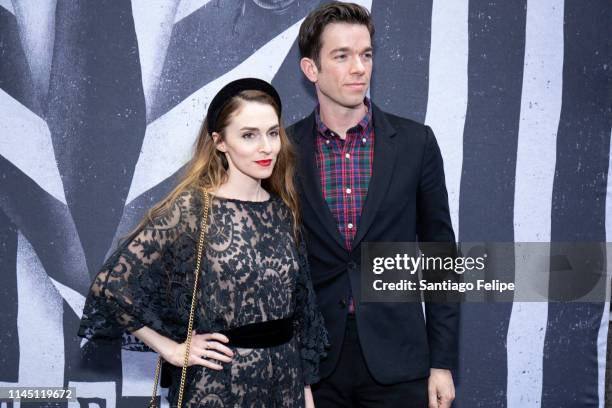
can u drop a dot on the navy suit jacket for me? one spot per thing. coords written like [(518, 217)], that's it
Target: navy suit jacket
[(406, 200)]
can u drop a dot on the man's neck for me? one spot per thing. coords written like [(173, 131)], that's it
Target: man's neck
[(338, 118)]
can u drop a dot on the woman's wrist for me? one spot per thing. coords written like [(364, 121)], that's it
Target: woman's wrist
[(170, 352), (165, 347)]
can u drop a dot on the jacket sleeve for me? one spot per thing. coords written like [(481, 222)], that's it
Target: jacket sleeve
[(435, 230)]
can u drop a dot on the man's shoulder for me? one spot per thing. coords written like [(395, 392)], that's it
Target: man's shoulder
[(403, 127), (398, 121)]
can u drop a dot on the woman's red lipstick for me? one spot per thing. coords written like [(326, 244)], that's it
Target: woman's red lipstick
[(264, 163)]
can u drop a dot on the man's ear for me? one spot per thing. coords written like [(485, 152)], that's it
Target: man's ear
[(220, 145), (309, 68)]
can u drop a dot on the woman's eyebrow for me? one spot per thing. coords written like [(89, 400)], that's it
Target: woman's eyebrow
[(256, 128)]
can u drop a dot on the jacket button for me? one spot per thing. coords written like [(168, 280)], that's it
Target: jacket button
[(342, 303), (352, 265)]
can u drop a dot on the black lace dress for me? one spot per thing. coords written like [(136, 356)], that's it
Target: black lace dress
[(252, 272)]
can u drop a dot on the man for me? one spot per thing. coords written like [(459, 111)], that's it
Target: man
[(367, 176)]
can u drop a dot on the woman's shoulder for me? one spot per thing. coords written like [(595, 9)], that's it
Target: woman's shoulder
[(178, 209), (189, 198), (280, 208), (278, 201)]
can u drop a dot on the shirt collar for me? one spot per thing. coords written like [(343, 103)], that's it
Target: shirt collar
[(364, 124)]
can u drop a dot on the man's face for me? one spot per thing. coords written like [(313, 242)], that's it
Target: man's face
[(345, 68)]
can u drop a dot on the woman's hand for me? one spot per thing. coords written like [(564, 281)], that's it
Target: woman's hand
[(308, 399), (206, 350)]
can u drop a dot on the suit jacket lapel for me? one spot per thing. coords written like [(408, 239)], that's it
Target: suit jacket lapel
[(311, 185), (382, 171)]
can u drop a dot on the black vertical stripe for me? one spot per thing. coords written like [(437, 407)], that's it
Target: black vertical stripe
[(212, 41), (570, 366), (9, 340), (400, 81), (495, 75), (96, 115), (15, 78), (296, 91), (46, 223)]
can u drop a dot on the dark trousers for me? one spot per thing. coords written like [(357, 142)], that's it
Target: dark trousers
[(352, 386)]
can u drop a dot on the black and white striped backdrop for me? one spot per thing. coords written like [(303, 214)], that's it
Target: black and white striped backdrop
[(101, 101)]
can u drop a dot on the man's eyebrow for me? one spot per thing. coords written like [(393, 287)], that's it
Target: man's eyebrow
[(347, 49), (341, 49)]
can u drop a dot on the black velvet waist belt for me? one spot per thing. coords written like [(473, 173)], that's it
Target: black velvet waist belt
[(255, 335), (261, 335)]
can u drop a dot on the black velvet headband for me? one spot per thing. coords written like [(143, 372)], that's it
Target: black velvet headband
[(232, 89)]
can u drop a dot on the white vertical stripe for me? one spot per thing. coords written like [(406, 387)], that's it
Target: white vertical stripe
[(535, 167), (7, 5), (602, 337), (448, 90), (137, 369), (186, 7), (153, 22), (36, 21), (26, 142), (75, 300), (364, 3), (105, 390), (39, 316)]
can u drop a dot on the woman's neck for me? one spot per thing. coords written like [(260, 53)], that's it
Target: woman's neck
[(242, 188)]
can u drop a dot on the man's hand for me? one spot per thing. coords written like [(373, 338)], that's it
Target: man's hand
[(440, 388)]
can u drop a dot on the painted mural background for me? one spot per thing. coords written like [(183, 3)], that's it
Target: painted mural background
[(101, 101)]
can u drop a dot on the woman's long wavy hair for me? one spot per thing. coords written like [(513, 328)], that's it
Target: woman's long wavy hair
[(208, 167)]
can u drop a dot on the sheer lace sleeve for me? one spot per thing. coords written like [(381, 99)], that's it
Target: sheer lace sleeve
[(132, 288), (309, 324)]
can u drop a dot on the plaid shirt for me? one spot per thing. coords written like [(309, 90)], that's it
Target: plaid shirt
[(345, 167)]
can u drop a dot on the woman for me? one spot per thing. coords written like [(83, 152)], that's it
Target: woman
[(258, 336)]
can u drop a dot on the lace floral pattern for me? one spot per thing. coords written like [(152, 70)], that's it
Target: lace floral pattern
[(252, 272)]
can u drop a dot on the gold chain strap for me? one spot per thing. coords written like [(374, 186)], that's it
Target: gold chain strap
[(153, 402)]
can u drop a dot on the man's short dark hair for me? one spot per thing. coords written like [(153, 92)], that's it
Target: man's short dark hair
[(309, 39)]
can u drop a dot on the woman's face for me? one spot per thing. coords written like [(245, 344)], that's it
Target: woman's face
[(252, 140)]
